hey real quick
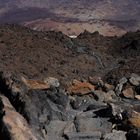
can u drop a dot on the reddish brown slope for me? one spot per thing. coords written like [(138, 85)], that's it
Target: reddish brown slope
[(41, 54)]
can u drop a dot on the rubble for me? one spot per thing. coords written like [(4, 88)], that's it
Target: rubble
[(32, 84), (15, 124), (108, 87), (128, 93), (40, 113), (51, 81), (137, 97), (123, 80), (84, 136), (134, 119), (115, 135), (81, 88), (39, 101), (135, 79)]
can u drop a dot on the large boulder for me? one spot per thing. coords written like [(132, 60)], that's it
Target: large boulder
[(15, 126)]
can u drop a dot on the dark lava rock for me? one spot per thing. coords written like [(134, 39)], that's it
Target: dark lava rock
[(137, 90), (49, 113), (1, 109), (84, 136), (93, 124), (116, 135), (59, 127), (81, 103), (133, 134)]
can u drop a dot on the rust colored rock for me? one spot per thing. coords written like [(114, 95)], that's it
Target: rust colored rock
[(100, 95), (110, 96), (80, 88), (137, 97), (134, 120), (34, 84), (128, 93), (16, 126)]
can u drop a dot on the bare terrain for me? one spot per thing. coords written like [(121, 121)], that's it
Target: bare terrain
[(69, 70), (40, 54), (53, 87), (73, 17)]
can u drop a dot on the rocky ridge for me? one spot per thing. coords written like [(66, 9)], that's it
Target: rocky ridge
[(53, 54), (53, 87)]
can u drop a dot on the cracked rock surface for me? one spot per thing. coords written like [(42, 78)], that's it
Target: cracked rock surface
[(53, 113)]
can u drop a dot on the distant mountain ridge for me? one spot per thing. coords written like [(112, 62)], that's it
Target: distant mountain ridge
[(92, 12)]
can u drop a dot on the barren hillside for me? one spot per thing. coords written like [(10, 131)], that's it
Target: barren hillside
[(53, 87)]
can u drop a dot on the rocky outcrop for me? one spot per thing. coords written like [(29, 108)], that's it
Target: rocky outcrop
[(80, 88), (40, 101), (14, 124), (53, 113)]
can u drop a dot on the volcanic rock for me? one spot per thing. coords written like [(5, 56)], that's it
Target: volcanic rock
[(110, 96), (137, 89), (32, 84), (51, 81), (84, 136), (81, 88), (119, 89), (135, 79), (55, 109), (137, 97), (70, 127), (50, 113), (128, 93), (59, 128), (82, 103), (94, 80), (123, 80), (115, 135), (93, 124), (134, 120), (15, 124), (101, 95), (133, 134)]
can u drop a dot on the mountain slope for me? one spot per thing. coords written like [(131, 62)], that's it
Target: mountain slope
[(117, 16), (42, 54)]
